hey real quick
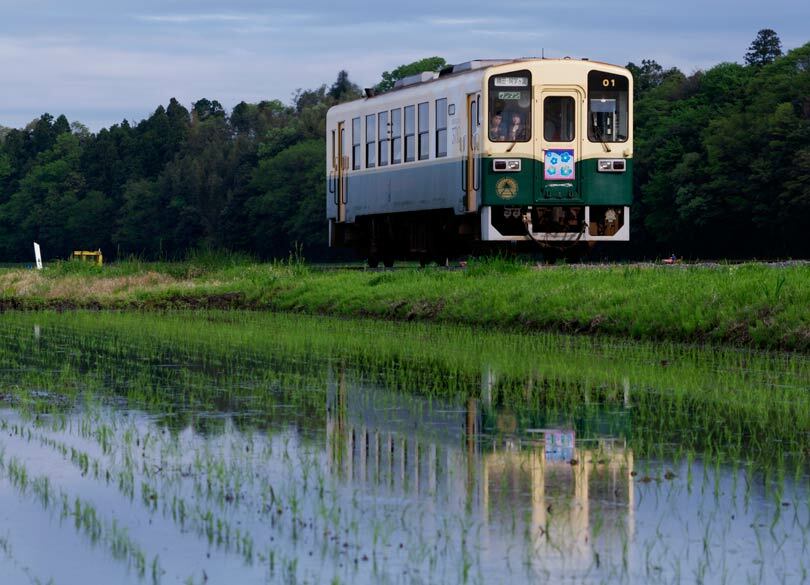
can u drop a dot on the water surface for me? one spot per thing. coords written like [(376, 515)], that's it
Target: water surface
[(240, 448)]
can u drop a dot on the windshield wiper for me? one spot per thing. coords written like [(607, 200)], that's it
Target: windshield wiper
[(600, 136)]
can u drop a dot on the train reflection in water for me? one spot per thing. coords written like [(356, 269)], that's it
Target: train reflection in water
[(563, 490)]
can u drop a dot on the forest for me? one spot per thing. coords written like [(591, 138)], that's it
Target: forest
[(722, 170)]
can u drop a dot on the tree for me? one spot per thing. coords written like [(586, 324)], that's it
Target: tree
[(649, 75), (290, 205), (427, 64), (205, 108), (764, 49), (304, 99), (39, 209), (344, 90), (140, 229), (5, 167)]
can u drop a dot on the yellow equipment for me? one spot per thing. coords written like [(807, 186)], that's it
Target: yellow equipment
[(88, 256)]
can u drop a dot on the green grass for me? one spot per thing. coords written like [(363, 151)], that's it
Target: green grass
[(744, 402), (748, 305)]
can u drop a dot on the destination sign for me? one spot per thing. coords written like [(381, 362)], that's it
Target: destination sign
[(511, 82)]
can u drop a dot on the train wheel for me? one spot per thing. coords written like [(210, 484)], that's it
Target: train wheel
[(373, 262), (388, 262), (551, 255), (577, 253)]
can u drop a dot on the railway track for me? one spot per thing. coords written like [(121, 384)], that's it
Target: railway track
[(461, 265)]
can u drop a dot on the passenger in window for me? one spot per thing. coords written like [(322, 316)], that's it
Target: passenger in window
[(552, 122), (550, 131), (517, 129), (496, 127)]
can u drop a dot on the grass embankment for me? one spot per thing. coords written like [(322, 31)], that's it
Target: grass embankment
[(751, 305)]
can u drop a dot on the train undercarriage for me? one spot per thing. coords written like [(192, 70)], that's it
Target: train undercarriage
[(440, 235)]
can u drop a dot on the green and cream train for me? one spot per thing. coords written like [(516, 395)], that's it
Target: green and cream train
[(525, 150)]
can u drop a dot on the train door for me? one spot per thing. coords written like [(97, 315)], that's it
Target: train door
[(558, 144), (471, 171), (343, 166), (337, 179)]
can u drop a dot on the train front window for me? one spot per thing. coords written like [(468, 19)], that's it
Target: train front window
[(510, 107), (558, 119), (608, 107)]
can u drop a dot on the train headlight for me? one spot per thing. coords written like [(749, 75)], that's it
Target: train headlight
[(609, 165), (508, 165)]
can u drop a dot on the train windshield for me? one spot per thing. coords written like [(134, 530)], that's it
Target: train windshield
[(608, 107), (510, 107)]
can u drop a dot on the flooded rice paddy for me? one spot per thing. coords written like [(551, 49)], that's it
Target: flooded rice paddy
[(247, 448)]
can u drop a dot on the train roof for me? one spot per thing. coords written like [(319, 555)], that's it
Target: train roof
[(476, 66), (468, 67)]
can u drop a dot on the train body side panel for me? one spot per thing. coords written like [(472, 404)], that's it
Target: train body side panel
[(430, 185), (419, 185)]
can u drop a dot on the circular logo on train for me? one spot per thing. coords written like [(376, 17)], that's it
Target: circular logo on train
[(506, 188)]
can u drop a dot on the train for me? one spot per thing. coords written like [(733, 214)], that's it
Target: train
[(487, 153)]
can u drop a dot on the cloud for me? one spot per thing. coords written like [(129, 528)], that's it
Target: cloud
[(254, 29), (93, 58), (196, 18), (462, 21), (515, 35)]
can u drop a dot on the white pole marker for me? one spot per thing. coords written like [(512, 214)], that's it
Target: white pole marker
[(38, 256)]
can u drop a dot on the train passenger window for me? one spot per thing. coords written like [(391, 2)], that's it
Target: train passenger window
[(424, 128), (410, 130), (371, 141), (510, 107), (608, 107), (355, 143), (441, 127), (383, 135), (558, 119), (396, 136)]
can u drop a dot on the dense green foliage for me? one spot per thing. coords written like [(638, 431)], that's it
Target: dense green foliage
[(722, 158), (177, 180), (389, 78), (722, 169)]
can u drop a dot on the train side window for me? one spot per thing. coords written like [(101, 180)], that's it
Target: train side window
[(441, 127), (382, 128), (558, 119), (424, 131), (355, 143), (396, 136), (371, 142), (410, 136)]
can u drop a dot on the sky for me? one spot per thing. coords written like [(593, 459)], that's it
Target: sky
[(99, 62)]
